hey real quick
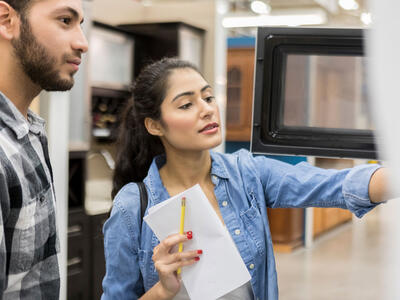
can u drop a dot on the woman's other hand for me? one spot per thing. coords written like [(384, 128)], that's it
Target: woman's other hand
[(167, 262)]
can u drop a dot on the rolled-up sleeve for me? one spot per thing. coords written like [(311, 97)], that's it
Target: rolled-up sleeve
[(303, 185), (122, 279), (355, 189)]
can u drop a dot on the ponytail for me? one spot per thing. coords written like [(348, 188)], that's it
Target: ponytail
[(136, 149)]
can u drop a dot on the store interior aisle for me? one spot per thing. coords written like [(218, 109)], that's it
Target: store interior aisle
[(359, 260)]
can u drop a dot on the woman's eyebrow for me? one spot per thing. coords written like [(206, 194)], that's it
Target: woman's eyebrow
[(205, 87), (190, 93), (183, 94)]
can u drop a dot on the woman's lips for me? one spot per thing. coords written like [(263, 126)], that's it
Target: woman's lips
[(210, 128)]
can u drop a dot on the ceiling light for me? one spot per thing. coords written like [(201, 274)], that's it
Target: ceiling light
[(260, 7), (146, 2), (366, 18), (348, 4), (311, 17)]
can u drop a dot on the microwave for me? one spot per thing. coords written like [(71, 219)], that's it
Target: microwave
[(310, 93)]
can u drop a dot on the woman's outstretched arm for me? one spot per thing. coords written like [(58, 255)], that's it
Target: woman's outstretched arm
[(378, 186)]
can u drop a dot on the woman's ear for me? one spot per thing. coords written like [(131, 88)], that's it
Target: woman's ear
[(153, 127), (9, 21)]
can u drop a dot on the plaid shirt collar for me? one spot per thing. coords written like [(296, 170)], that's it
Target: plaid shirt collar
[(13, 119)]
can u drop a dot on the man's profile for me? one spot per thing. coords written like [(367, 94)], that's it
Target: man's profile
[(41, 44)]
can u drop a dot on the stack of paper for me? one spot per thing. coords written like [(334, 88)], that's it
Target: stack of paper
[(221, 268)]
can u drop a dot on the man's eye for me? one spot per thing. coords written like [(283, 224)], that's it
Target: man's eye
[(66, 20), (185, 106)]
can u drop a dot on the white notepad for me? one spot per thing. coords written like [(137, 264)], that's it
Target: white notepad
[(221, 268)]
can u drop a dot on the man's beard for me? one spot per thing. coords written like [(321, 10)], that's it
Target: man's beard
[(36, 61)]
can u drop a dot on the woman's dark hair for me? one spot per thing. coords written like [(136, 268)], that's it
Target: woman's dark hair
[(136, 148)]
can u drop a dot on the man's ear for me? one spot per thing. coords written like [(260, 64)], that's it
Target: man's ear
[(9, 21), (153, 127)]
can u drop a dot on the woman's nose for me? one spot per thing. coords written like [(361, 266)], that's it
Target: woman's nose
[(207, 109)]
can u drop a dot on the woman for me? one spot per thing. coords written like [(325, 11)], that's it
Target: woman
[(166, 136)]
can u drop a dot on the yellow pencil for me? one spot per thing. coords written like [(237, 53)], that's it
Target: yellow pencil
[(182, 225)]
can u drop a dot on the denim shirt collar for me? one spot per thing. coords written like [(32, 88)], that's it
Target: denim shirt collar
[(218, 168), (154, 183), (13, 119)]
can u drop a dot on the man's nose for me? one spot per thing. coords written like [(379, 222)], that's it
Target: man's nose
[(80, 42)]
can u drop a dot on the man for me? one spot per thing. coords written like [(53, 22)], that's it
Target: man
[(41, 43)]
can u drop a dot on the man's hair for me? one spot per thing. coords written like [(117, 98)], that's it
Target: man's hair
[(21, 6)]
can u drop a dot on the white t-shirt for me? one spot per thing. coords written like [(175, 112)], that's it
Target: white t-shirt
[(243, 292)]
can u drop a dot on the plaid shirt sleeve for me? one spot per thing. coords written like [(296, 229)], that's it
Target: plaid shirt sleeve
[(3, 251)]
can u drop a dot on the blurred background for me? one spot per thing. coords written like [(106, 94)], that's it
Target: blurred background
[(322, 253)]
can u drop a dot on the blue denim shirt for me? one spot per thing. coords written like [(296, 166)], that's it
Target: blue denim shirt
[(244, 187)]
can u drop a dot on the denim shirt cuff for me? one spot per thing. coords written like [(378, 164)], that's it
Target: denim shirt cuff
[(355, 189)]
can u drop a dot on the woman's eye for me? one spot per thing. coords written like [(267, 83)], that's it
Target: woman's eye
[(185, 106), (209, 99)]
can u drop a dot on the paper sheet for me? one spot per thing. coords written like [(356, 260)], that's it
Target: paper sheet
[(221, 268)]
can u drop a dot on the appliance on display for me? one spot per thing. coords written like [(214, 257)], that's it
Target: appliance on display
[(310, 93)]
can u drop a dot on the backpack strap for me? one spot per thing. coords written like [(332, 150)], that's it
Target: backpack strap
[(143, 200)]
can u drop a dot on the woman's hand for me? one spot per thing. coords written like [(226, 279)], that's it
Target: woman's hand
[(167, 263)]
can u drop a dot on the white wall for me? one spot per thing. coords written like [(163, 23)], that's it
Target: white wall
[(54, 108), (383, 50)]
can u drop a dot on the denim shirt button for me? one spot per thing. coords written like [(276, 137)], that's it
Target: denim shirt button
[(237, 231), (224, 203), (251, 266)]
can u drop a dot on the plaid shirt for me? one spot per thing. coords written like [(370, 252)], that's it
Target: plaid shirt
[(28, 238)]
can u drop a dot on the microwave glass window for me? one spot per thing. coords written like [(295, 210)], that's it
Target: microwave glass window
[(326, 91)]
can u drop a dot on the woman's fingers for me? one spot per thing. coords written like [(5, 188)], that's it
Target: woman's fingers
[(179, 256), (169, 268), (166, 245), (167, 263)]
